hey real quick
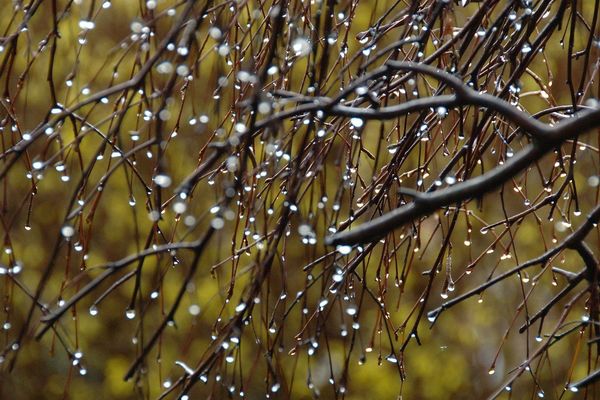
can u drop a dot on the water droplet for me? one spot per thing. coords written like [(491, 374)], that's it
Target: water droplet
[(67, 231), (432, 316), (223, 49), (162, 180), (338, 276), (305, 230), (130, 314), (450, 180), (451, 286), (217, 223), (86, 25), (193, 309), (323, 303), (357, 122), (343, 249), (154, 215), (215, 33), (164, 68), (301, 46), (179, 207)]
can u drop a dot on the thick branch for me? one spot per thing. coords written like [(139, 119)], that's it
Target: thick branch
[(475, 187)]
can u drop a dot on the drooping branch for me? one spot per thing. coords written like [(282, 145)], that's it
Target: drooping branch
[(474, 187), (573, 241)]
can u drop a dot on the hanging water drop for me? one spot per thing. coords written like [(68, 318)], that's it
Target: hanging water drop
[(357, 122), (343, 249), (67, 231), (351, 310)]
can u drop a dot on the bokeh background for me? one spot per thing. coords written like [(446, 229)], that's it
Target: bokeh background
[(95, 342)]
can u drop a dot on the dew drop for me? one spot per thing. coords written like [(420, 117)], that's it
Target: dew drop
[(86, 25), (162, 180), (217, 223), (343, 249), (301, 46), (179, 207), (392, 358), (67, 231), (451, 286), (193, 309), (323, 303), (432, 316), (585, 318), (357, 122)]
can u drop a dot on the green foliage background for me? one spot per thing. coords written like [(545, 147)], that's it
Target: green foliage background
[(456, 354)]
